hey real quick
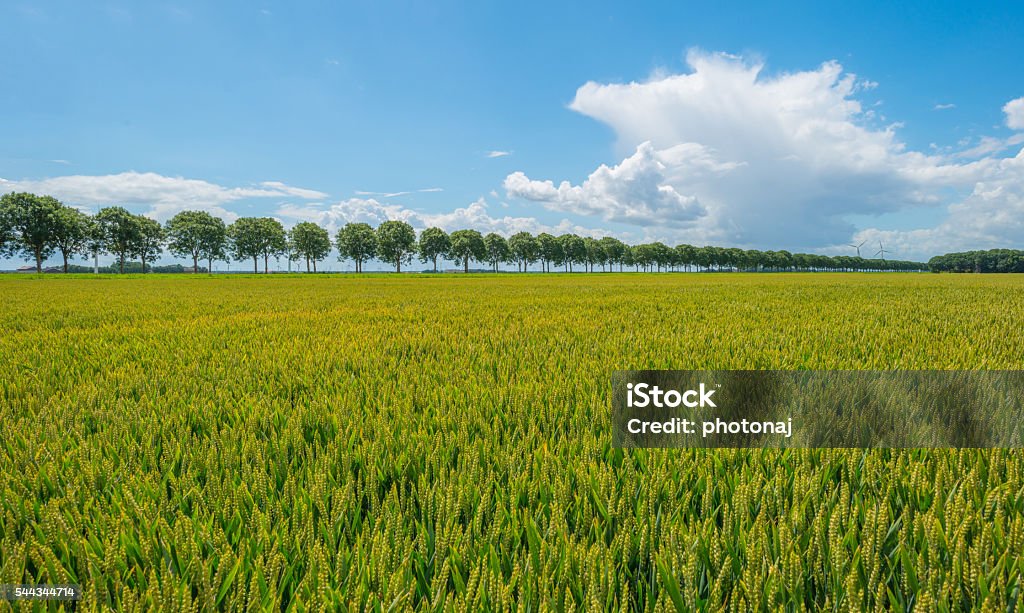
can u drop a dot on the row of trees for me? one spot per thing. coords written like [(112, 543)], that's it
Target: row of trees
[(994, 260), (38, 226)]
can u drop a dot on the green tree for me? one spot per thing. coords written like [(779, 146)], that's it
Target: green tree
[(550, 251), (31, 222), (467, 245), (197, 235), (356, 242), (6, 234), (593, 253), (434, 243), (524, 249), (311, 242), (150, 241), (119, 232), (573, 250), (253, 237), (396, 243), (661, 255), (71, 233), (497, 249), (614, 250)]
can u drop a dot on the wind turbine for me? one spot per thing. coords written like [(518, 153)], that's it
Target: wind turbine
[(881, 251), (857, 247)]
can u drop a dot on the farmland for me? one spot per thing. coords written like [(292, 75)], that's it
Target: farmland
[(436, 442)]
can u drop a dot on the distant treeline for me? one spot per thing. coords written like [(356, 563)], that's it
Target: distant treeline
[(993, 260), (134, 268), (38, 226)]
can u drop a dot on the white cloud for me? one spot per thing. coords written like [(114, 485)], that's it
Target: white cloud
[(164, 195), (288, 190), (498, 154), (728, 154), (475, 215), (944, 107), (1014, 110), (636, 191), (398, 194), (992, 215)]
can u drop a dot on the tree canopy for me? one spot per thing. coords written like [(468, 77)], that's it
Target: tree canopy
[(356, 242), (467, 245), (311, 242), (396, 243), (434, 243), (197, 235)]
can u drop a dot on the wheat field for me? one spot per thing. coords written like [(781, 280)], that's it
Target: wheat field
[(330, 442)]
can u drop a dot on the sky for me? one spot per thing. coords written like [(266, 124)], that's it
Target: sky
[(810, 127)]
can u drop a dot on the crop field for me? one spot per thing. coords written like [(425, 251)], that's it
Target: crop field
[(444, 443)]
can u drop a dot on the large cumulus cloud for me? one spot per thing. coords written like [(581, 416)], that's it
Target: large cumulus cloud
[(726, 153)]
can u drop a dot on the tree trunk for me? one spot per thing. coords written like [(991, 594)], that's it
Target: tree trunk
[(65, 262), (398, 264), (39, 261), (266, 263), (435, 263), (143, 260), (465, 264), (255, 265), (121, 262), (209, 266), (314, 265), (195, 264), (307, 263)]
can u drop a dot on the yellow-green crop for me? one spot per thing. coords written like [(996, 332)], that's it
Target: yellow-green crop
[(434, 443)]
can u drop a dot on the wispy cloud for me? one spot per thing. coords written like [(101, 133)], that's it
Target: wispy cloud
[(164, 196), (65, 162), (945, 106), (396, 194), (498, 154)]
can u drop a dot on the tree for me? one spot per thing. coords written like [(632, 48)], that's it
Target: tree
[(661, 255), (30, 222), (550, 250), (71, 233), (197, 235), (497, 249), (356, 242), (593, 253), (686, 255), (524, 248), (614, 250), (6, 234), (252, 237), (467, 245), (434, 243), (396, 243), (311, 242), (573, 250), (150, 241), (119, 232)]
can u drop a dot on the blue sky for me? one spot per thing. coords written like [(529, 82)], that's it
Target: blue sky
[(329, 111)]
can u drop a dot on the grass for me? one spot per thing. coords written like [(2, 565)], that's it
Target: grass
[(444, 442)]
